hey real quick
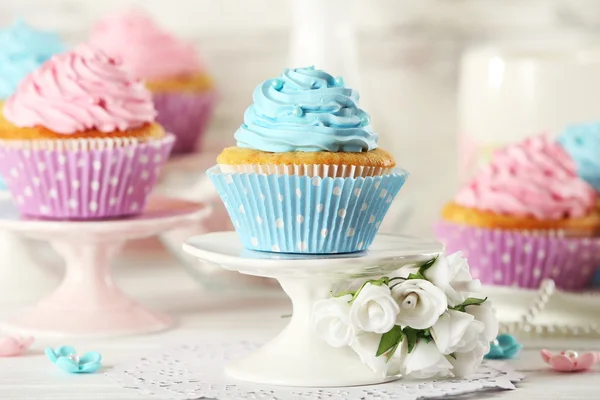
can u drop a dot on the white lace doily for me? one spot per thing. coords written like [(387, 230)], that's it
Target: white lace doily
[(196, 371)]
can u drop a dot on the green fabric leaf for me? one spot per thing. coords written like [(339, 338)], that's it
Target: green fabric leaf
[(342, 294), (471, 301), (390, 340), (416, 276), (375, 282), (411, 337), (390, 353), (427, 265)]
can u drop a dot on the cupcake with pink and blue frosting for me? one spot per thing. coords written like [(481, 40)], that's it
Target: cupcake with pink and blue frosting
[(526, 217)]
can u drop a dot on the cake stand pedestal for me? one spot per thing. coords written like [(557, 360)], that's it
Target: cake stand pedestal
[(297, 357), (23, 277), (88, 302)]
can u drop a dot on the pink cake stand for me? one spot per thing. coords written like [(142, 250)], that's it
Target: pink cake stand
[(88, 302)]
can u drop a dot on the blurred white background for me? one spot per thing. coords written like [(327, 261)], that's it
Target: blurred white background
[(408, 53)]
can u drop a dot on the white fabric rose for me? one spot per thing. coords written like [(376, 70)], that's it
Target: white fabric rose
[(374, 309), (451, 274), (465, 364), (456, 331), (424, 362), (484, 313), (421, 303), (365, 345), (331, 321)]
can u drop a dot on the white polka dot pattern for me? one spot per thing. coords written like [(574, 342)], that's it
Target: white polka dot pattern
[(81, 183), (510, 258), (300, 214)]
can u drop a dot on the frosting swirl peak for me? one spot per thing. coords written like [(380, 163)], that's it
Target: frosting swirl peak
[(306, 109), (534, 178), (22, 50), (146, 50), (80, 90)]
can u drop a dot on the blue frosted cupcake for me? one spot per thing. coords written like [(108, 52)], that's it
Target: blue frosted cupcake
[(582, 142), (307, 175)]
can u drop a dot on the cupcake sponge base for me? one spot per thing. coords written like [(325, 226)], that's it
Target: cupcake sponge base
[(8, 132), (586, 226), (243, 156)]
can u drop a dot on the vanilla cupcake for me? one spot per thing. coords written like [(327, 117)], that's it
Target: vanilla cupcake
[(182, 90), (307, 175), (526, 217), (78, 139)]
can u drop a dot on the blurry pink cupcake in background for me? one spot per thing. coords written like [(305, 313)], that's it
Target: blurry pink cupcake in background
[(182, 91), (526, 217)]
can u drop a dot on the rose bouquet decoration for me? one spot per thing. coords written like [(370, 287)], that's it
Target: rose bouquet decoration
[(426, 322)]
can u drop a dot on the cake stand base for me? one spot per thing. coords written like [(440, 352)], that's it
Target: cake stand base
[(297, 356), (88, 302)]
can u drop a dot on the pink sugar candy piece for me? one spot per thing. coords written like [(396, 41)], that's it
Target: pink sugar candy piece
[(570, 361)]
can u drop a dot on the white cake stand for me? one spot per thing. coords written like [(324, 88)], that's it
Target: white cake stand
[(296, 357), (88, 302)]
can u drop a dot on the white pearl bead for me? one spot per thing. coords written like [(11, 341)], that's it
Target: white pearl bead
[(571, 354)]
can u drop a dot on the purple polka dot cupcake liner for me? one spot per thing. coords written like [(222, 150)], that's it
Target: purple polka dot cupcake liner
[(82, 179), (186, 115), (523, 259), (303, 214)]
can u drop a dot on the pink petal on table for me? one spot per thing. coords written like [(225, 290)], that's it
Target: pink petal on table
[(586, 361), (546, 355), (562, 363), (11, 346)]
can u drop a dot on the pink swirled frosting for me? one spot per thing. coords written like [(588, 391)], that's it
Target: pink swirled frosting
[(534, 178), (145, 49), (80, 90)]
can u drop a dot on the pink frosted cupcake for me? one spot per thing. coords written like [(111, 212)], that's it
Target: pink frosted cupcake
[(78, 139), (182, 90), (526, 217)]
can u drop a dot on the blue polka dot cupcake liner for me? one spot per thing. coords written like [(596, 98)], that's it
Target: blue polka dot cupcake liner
[(303, 214), (82, 179)]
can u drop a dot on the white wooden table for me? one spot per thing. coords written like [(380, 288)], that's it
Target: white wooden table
[(209, 315)]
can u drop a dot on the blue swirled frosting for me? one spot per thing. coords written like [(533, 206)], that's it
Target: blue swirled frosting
[(23, 49), (582, 142), (306, 109)]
